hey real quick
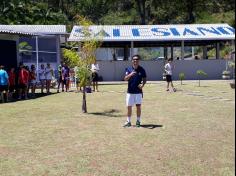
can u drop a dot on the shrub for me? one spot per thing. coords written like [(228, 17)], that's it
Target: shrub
[(226, 72), (181, 77), (200, 74)]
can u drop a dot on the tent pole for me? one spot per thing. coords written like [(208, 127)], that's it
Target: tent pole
[(217, 50), (37, 57), (132, 49)]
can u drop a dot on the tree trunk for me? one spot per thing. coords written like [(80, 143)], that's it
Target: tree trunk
[(142, 10), (199, 83), (84, 105), (190, 11)]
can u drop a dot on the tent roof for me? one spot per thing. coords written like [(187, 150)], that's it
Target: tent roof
[(33, 29), (154, 33)]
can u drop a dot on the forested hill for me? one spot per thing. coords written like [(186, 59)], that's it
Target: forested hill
[(114, 12)]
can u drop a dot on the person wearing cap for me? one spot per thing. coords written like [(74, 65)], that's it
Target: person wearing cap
[(136, 77)]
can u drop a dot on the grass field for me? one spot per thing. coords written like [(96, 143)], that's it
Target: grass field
[(187, 133)]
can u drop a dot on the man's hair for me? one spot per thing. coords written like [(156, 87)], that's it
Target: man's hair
[(21, 63), (137, 56), (170, 59), (1, 67)]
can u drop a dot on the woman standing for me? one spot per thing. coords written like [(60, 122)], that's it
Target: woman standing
[(48, 75), (23, 82), (33, 81), (42, 77), (169, 70), (95, 69), (12, 83)]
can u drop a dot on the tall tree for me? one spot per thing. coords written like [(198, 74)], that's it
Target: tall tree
[(141, 10)]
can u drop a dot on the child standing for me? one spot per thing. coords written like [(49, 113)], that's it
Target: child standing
[(169, 70)]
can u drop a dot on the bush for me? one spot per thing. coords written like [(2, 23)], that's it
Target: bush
[(181, 77), (226, 72), (201, 73)]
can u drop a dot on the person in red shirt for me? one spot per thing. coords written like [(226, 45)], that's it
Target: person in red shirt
[(23, 82), (12, 82)]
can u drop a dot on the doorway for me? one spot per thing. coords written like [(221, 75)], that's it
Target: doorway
[(8, 53)]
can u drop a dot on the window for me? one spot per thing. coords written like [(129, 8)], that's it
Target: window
[(47, 50)]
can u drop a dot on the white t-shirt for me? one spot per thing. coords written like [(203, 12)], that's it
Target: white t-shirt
[(168, 69), (41, 74), (48, 73), (95, 67)]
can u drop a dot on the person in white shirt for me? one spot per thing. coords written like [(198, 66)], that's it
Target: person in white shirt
[(169, 70), (95, 69), (33, 80), (48, 75), (42, 76)]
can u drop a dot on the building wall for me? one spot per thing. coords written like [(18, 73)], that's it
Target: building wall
[(115, 70)]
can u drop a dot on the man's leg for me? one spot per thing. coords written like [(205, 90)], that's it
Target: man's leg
[(129, 113), (93, 86), (138, 108), (62, 85), (26, 92), (96, 84), (2, 97), (172, 86), (167, 87), (59, 84), (6, 95), (42, 85)]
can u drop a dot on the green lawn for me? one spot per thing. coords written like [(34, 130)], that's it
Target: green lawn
[(186, 133)]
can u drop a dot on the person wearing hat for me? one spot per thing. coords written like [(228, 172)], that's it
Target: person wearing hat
[(136, 77)]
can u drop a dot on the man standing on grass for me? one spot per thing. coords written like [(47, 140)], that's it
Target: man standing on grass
[(169, 69), (136, 77)]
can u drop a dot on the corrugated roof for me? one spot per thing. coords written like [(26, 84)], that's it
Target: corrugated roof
[(33, 29), (173, 32)]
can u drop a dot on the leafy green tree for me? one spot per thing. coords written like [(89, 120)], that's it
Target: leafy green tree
[(118, 12), (71, 57), (87, 56), (27, 12)]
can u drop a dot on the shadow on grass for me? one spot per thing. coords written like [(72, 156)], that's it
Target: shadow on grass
[(108, 113), (30, 97), (151, 126)]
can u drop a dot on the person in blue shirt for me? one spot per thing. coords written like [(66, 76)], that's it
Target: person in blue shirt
[(136, 77), (4, 83)]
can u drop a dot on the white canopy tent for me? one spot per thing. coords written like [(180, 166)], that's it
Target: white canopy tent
[(137, 35)]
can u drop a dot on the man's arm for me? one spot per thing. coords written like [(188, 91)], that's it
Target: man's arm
[(144, 80), (127, 77), (7, 77)]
